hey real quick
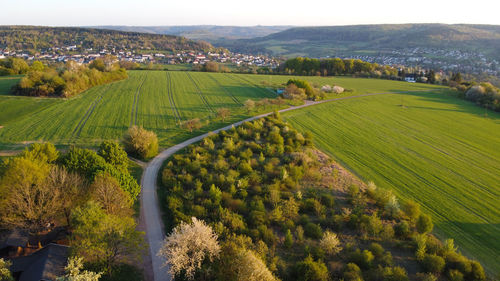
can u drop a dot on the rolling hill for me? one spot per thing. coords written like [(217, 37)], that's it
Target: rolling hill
[(321, 41), (209, 33), (37, 38)]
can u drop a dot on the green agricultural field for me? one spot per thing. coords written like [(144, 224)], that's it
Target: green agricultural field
[(157, 100), (6, 83), (432, 147)]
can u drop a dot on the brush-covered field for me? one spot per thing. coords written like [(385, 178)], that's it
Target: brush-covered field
[(156, 100), (432, 147)]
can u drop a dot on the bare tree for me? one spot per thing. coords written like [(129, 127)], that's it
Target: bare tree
[(223, 113), (188, 246), (107, 191), (249, 105), (29, 202), (192, 124), (71, 188)]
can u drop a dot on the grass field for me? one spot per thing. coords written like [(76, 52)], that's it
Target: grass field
[(436, 149), (157, 100), (6, 83)]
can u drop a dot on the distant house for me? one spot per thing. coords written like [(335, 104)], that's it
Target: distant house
[(45, 264), (412, 78)]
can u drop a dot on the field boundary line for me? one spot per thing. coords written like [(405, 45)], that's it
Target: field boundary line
[(200, 93)]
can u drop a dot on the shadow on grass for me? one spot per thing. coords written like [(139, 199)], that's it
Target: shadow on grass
[(484, 234), (450, 98)]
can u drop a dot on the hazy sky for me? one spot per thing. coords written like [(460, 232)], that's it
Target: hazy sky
[(253, 12)]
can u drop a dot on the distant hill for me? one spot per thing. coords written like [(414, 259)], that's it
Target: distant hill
[(209, 33), (36, 38), (332, 40)]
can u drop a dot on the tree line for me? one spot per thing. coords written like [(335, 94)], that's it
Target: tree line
[(259, 202), (335, 66), (483, 93), (69, 79)]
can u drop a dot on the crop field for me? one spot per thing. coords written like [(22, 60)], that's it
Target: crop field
[(7, 82), (157, 100), (432, 147)]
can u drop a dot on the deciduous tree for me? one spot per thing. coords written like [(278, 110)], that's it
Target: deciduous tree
[(188, 246)]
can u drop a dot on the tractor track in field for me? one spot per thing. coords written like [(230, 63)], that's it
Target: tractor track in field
[(252, 83), (170, 94), (135, 105), (225, 90), (78, 130), (203, 98)]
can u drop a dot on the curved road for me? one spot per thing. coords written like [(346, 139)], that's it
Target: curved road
[(149, 199)]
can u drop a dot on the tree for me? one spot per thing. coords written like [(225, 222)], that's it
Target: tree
[(5, 274), (457, 77), (28, 201), (113, 153), (74, 271), (392, 206), (310, 270), (192, 124), (424, 224), (433, 264), (211, 66), (431, 76), (104, 238), (411, 209), (330, 243), (106, 191), (295, 93), (249, 105), (141, 142), (223, 113), (45, 152), (188, 246), (71, 187), (247, 266), (288, 239)]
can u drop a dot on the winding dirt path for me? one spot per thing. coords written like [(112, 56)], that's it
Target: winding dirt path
[(150, 208)]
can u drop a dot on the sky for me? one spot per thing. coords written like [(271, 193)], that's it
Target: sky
[(245, 13)]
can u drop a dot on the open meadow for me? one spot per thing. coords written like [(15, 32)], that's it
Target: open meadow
[(157, 100), (441, 151)]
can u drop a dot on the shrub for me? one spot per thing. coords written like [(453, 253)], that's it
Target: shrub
[(330, 243), (402, 229), (477, 272), (352, 272), (313, 231), (310, 270), (376, 249), (113, 154), (140, 142), (363, 259), (424, 224), (411, 209), (433, 264)]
